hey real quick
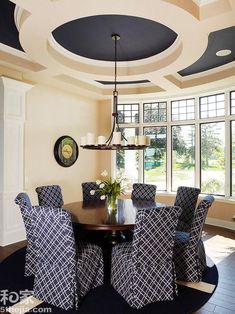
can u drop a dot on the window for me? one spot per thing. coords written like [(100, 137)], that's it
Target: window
[(128, 160), (232, 102), (185, 148), (128, 113), (212, 158), (233, 157), (212, 106), (183, 156), (155, 111), (155, 157), (182, 110)]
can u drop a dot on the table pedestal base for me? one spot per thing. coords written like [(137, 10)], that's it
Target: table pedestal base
[(114, 237)]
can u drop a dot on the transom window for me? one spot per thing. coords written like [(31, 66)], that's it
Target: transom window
[(128, 113), (212, 106), (154, 111), (183, 109)]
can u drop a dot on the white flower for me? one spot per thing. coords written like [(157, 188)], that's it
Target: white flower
[(98, 182), (101, 186), (102, 197), (92, 192), (104, 173)]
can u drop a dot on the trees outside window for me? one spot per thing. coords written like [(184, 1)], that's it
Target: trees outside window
[(155, 157), (128, 160), (212, 158), (188, 141), (183, 156)]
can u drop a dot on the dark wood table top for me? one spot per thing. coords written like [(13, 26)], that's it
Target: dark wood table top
[(94, 215)]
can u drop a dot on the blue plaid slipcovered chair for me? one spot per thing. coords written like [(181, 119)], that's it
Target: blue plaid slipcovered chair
[(64, 273), (142, 191), (50, 195), (86, 188), (186, 198), (189, 253), (143, 271), (22, 199)]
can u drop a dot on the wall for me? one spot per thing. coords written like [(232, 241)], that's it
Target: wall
[(51, 113), (105, 116), (219, 214)]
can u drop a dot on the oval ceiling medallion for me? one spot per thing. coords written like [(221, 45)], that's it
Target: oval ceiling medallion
[(90, 37)]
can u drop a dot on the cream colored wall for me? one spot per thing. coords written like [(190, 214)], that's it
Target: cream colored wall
[(51, 113), (220, 210), (105, 114), (220, 213)]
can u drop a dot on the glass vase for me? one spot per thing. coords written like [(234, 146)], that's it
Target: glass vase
[(112, 202)]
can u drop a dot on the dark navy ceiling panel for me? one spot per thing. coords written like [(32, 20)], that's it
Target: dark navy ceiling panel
[(219, 40), (8, 32), (90, 37), (123, 82)]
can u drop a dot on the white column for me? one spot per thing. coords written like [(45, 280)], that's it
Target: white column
[(12, 117)]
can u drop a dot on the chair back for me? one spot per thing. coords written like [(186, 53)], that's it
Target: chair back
[(199, 219), (50, 195), (186, 198), (152, 253), (142, 191), (154, 232), (22, 199), (87, 187), (55, 281)]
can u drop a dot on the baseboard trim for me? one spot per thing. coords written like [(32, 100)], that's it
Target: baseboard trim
[(12, 236), (221, 223)]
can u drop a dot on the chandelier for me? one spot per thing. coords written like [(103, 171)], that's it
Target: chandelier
[(116, 139)]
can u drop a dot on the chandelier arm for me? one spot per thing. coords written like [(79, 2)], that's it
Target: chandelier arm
[(115, 125), (108, 142)]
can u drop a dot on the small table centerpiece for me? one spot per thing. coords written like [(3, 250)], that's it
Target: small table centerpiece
[(110, 188)]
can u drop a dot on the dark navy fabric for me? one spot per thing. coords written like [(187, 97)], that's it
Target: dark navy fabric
[(189, 253), (87, 187), (22, 199), (64, 273), (142, 191), (143, 270), (50, 195), (186, 198)]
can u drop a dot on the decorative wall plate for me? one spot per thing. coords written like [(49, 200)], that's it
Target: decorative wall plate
[(66, 151)]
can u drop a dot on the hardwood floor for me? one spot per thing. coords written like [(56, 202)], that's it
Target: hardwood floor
[(220, 246)]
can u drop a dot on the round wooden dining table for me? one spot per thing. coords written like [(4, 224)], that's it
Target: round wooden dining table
[(94, 215)]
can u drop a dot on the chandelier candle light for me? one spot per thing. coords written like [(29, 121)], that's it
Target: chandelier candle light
[(116, 139)]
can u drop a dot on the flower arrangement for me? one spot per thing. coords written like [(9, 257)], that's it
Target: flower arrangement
[(110, 189)]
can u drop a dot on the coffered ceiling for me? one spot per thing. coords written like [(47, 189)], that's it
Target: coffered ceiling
[(165, 46)]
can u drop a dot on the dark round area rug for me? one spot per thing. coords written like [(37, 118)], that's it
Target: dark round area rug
[(104, 299)]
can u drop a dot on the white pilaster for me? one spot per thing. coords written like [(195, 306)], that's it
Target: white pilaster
[(12, 117)]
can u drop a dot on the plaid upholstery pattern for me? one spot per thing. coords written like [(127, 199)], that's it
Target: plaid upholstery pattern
[(64, 275), (143, 191), (86, 188), (189, 253), (50, 195), (142, 271), (22, 199), (186, 198)]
